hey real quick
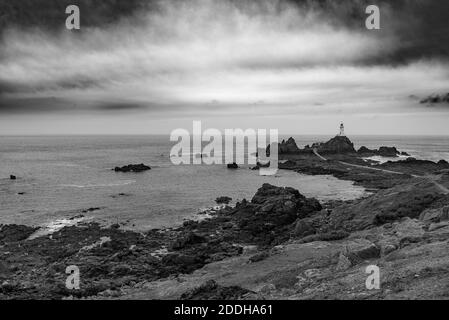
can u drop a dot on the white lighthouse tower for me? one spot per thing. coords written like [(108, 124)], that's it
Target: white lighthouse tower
[(342, 130)]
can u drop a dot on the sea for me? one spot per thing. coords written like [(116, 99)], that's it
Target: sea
[(59, 178)]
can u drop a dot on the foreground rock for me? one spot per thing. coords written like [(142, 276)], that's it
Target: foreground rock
[(413, 263), (13, 233), (111, 258), (408, 200), (213, 291), (132, 168), (322, 254), (279, 245)]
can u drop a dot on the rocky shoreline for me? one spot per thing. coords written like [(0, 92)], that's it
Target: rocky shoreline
[(278, 245)]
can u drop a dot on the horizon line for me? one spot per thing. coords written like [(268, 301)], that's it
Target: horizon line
[(168, 134)]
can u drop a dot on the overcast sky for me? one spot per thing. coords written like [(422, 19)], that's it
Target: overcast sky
[(150, 67)]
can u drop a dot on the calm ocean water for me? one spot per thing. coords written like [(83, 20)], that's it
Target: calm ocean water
[(62, 176)]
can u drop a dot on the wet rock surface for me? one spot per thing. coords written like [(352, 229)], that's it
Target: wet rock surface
[(13, 233), (213, 291), (109, 258)]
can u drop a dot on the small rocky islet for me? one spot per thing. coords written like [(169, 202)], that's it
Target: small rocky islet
[(278, 245), (132, 168)]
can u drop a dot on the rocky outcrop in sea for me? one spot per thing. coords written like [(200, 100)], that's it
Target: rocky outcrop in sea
[(232, 165), (132, 168)]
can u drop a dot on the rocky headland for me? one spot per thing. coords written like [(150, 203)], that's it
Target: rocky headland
[(278, 245)]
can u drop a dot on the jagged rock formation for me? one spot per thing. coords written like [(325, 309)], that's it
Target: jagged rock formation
[(288, 146), (269, 214), (280, 201)]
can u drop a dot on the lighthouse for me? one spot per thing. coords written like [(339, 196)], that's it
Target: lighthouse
[(342, 130)]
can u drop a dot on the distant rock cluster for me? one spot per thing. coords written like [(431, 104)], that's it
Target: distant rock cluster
[(382, 151), (337, 145)]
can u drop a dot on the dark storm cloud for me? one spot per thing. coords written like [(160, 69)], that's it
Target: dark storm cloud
[(61, 105), (6, 87), (118, 106), (421, 27), (32, 105), (50, 14), (74, 83), (188, 52)]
